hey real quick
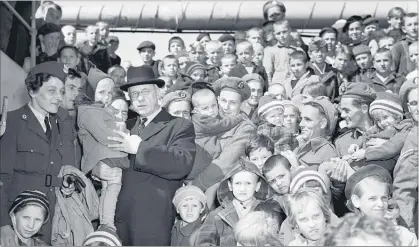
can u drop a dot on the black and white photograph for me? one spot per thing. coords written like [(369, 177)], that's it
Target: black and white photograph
[(209, 123)]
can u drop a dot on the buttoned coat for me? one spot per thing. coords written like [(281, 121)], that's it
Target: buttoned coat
[(27, 157), (145, 213)]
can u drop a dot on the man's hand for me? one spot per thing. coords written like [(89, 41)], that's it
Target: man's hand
[(127, 143), (375, 142), (358, 155), (353, 148), (340, 171)]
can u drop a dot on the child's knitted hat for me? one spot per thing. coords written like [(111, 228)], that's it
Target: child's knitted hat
[(31, 197), (176, 39), (268, 103), (389, 102), (192, 66), (103, 235), (189, 191), (310, 173), (360, 49)]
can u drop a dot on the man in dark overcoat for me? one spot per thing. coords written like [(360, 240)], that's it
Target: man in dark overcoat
[(162, 149)]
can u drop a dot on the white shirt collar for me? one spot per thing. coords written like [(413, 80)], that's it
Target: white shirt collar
[(152, 116), (39, 116)]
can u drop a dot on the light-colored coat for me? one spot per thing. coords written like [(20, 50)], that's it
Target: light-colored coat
[(305, 79)]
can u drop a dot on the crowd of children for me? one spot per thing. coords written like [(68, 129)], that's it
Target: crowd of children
[(296, 144)]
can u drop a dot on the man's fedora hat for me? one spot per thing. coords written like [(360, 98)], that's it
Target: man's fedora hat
[(141, 75)]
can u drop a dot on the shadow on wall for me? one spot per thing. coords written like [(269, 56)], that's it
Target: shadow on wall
[(12, 78)]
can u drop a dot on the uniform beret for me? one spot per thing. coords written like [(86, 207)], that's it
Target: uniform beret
[(351, 20), (53, 68), (236, 72), (271, 4), (370, 20), (48, 28), (233, 84), (316, 44), (330, 112), (112, 38), (95, 76), (360, 49), (360, 90), (146, 44), (253, 77), (339, 24), (329, 30), (364, 172), (226, 37), (175, 96)]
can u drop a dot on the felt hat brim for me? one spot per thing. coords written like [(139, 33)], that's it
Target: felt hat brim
[(158, 82)]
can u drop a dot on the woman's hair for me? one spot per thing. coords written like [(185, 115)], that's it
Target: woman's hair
[(257, 229), (296, 110), (315, 89), (361, 226), (396, 12), (357, 190), (301, 198), (34, 82)]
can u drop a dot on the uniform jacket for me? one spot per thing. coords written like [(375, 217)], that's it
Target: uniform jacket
[(145, 213), (181, 235), (308, 77), (393, 82), (405, 182), (315, 152), (73, 217), (233, 143), (400, 54), (95, 125), (218, 227), (29, 161)]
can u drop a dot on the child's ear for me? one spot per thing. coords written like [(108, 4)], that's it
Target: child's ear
[(364, 108), (355, 201), (258, 186), (230, 187), (323, 123)]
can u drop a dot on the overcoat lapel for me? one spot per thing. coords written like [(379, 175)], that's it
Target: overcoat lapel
[(33, 123)]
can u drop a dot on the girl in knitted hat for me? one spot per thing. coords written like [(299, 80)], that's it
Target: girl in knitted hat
[(29, 211), (368, 191), (190, 203)]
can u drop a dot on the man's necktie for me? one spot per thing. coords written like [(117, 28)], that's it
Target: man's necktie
[(141, 126), (48, 127)]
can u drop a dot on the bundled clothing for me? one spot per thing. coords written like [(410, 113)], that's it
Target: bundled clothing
[(34, 241), (213, 73), (218, 228), (184, 235), (293, 86), (283, 139), (97, 54)]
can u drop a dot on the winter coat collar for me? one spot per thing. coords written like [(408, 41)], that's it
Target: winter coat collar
[(156, 125), (189, 228)]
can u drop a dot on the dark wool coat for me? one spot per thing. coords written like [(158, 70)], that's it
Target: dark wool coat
[(145, 213), (29, 161)]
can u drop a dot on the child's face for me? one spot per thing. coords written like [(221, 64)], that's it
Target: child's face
[(227, 65), (387, 43), (254, 37), (275, 117), (290, 118), (147, 54), (198, 75), (374, 199), (182, 62), (104, 91), (330, 39), (277, 90), (279, 178), (122, 109), (51, 42), (281, 33), (318, 56), (70, 58), (412, 102), (180, 109), (258, 57), (28, 221), (190, 209), (413, 53), (229, 103), (103, 31), (228, 47), (259, 156), (395, 22), (244, 54), (244, 184), (175, 47), (167, 84), (363, 60), (410, 26), (385, 119), (92, 35), (370, 29), (256, 92), (214, 53), (170, 67), (73, 87), (207, 106), (198, 55), (118, 75), (382, 62), (298, 67), (69, 35), (341, 61), (310, 220), (354, 30)]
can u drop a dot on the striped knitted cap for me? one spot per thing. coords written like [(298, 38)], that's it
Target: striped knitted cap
[(104, 235), (31, 197), (389, 102), (189, 191), (305, 174), (268, 103)]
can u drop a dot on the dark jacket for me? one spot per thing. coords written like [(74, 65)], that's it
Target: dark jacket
[(182, 235), (400, 54), (239, 69), (30, 161), (213, 73), (145, 213), (393, 82)]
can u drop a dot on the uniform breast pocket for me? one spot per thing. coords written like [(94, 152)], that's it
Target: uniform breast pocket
[(31, 158)]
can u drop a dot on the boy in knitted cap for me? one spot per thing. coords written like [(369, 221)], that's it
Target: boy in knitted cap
[(385, 139), (195, 70), (241, 190), (190, 204), (28, 212)]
